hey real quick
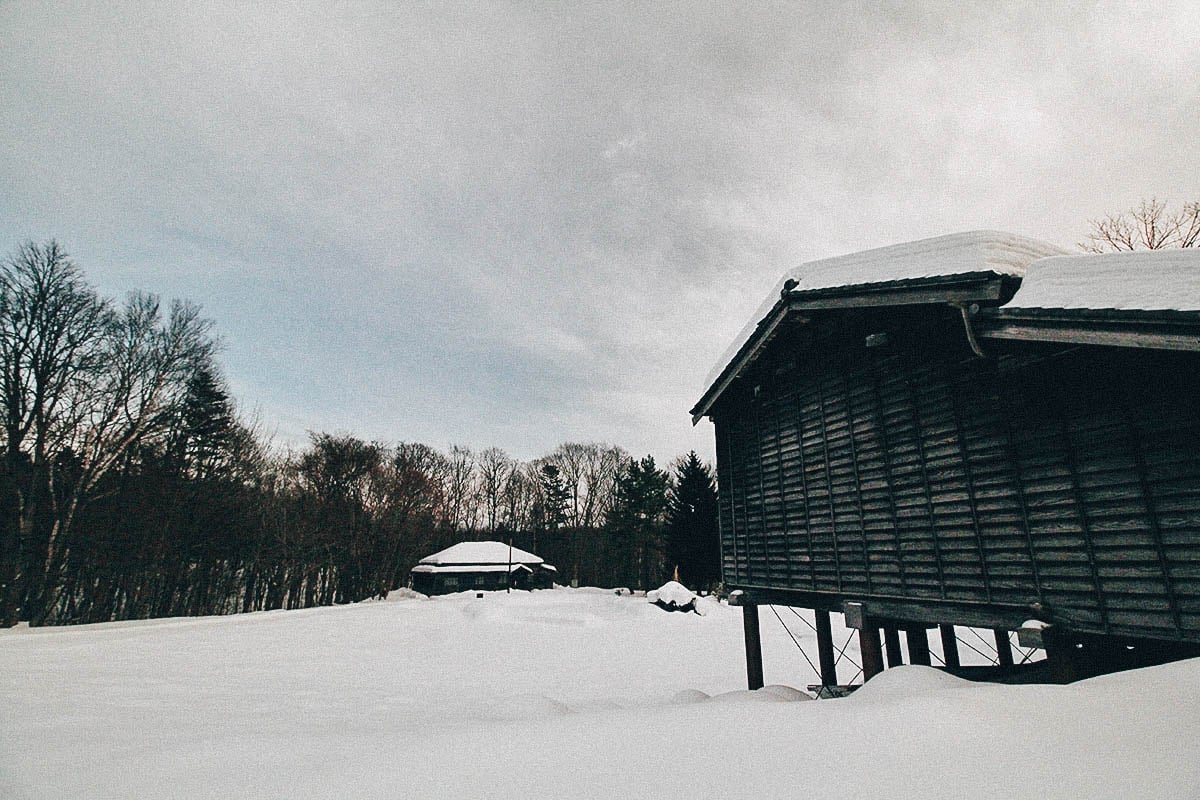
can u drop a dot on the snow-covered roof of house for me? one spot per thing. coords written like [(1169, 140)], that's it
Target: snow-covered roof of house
[(453, 568), (953, 254), (1149, 280), (925, 260), (475, 553)]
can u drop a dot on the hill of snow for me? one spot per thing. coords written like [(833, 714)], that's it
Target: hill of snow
[(565, 693)]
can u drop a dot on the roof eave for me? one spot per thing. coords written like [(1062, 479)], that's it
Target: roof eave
[(969, 287), (1151, 329)]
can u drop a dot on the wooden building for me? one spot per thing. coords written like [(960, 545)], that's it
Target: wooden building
[(481, 566), (970, 430)]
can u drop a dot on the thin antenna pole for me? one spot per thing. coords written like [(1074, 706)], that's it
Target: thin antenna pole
[(508, 582)]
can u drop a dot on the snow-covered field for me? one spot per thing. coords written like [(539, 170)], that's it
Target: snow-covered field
[(564, 694)]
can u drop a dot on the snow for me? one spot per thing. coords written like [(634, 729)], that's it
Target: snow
[(481, 553), (562, 693), (954, 254), (1152, 280), (672, 593), (941, 256), (453, 568)]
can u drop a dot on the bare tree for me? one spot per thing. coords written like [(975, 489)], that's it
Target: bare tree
[(495, 467), (1148, 227), (82, 383), (50, 330), (520, 494), (143, 365), (459, 489)]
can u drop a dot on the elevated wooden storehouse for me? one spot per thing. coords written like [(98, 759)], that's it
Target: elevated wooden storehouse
[(971, 430), (483, 566)]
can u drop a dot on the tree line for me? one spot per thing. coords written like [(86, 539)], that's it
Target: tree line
[(131, 486)]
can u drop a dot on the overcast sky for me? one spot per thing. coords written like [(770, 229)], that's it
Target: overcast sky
[(522, 224)]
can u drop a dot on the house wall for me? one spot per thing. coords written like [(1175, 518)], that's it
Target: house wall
[(916, 472), (433, 583)]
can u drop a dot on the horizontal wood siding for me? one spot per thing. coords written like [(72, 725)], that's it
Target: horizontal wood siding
[(1068, 476)]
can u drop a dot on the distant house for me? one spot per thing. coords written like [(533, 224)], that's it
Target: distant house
[(974, 430), (486, 566)]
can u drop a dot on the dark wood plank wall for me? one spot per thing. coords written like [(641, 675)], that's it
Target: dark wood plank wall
[(1057, 474)]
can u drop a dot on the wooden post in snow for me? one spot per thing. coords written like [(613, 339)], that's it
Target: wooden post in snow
[(1060, 653), (872, 654), (949, 646), (825, 654), (754, 663), (1004, 654), (891, 637), (918, 645)]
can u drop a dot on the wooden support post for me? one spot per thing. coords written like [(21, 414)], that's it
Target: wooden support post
[(754, 662), (918, 645), (949, 647), (1004, 654), (868, 647), (825, 653), (891, 638), (1060, 653)]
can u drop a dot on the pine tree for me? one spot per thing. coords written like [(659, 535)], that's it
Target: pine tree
[(637, 522), (550, 508), (206, 426), (693, 538)]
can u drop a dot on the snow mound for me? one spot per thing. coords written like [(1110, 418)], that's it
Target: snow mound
[(673, 596), (908, 681), (786, 693), (519, 708), (689, 696), (775, 693), (404, 593)]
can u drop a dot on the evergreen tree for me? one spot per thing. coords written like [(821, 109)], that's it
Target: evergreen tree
[(550, 508), (637, 522), (207, 421), (693, 537)]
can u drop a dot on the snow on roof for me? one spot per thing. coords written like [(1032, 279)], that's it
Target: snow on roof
[(941, 256), (481, 553), (954, 254), (455, 568), (1149, 280)]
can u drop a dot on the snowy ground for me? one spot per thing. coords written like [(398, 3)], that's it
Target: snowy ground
[(571, 694)]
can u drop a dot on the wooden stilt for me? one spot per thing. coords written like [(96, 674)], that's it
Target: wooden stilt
[(918, 645), (949, 647), (1004, 654), (825, 652), (891, 638), (754, 663), (872, 654), (1060, 653)]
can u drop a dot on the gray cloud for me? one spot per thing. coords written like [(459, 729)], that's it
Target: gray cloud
[(519, 224)]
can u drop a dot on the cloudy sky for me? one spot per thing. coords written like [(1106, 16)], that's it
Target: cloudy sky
[(521, 224)]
